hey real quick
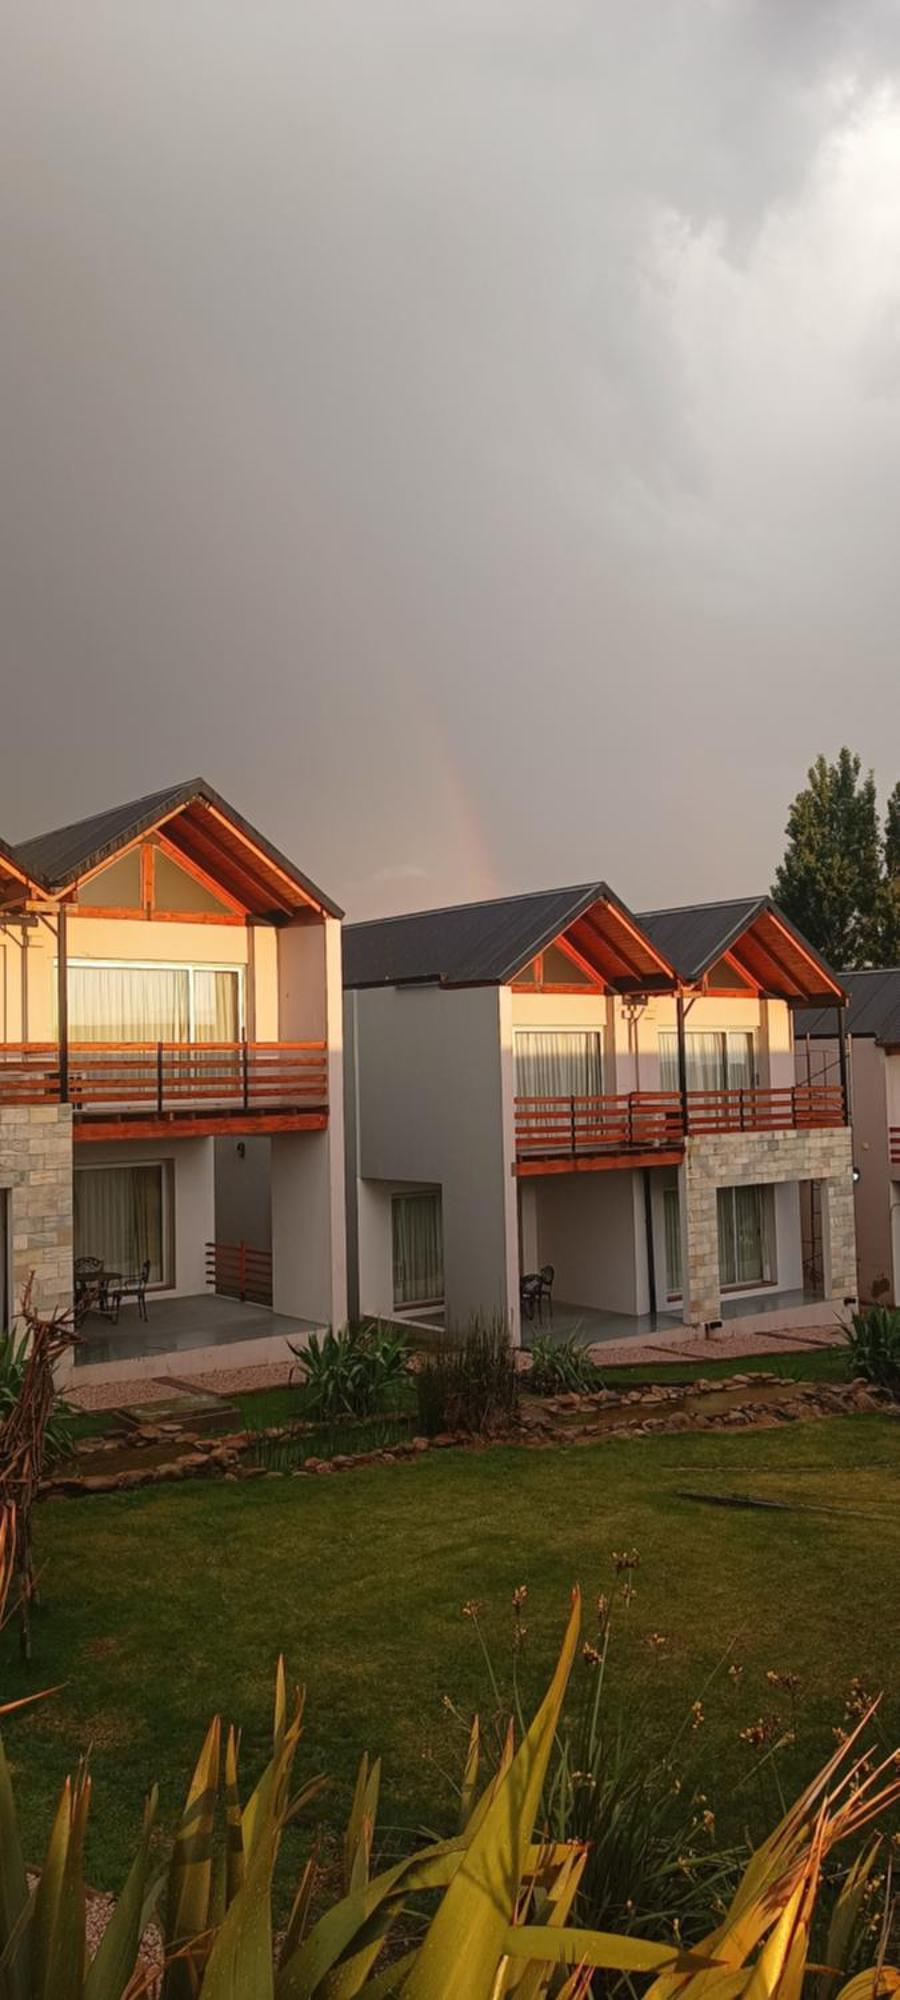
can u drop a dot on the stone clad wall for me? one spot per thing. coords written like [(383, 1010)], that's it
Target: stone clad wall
[(36, 1168), (725, 1159)]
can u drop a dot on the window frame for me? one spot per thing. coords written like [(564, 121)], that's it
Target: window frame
[(192, 966), (166, 1167), (764, 1191)]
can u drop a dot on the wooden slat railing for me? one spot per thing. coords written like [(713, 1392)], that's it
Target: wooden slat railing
[(633, 1122), (163, 1077), (240, 1272), (29, 1073), (642, 1120), (792, 1108), (894, 1140), (136, 1078)]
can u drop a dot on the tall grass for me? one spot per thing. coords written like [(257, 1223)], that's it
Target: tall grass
[(471, 1382)]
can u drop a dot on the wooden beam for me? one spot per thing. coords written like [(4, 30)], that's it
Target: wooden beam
[(178, 1126), (598, 1163), (209, 882), (199, 847), (296, 893)]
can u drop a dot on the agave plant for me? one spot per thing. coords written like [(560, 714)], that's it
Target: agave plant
[(351, 1373), (498, 1896)]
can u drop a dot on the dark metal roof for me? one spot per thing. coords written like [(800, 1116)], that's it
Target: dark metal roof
[(874, 1007), (696, 935), (470, 944), (60, 857), (762, 940)]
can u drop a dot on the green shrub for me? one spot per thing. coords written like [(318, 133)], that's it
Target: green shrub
[(561, 1365), (353, 1373), (470, 1384), (874, 1341), (13, 1361)]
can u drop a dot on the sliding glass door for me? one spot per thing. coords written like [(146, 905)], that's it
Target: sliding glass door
[(746, 1228), (558, 1063), (123, 1215), (717, 1061), (154, 1003)]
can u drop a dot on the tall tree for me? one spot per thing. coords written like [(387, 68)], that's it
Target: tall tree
[(889, 925), (831, 881)]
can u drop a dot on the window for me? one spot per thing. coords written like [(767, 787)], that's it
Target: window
[(672, 1224), (123, 1214), (154, 1003), (558, 1063), (746, 1219), (418, 1248), (716, 1061)]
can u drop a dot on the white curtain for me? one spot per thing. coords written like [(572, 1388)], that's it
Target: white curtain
[(128, 1003), (672, 1218), (139, 1003), (714, 1061), (119, 1217), (418, 1244), (217, 1008), (564, 1064), (746, 1223)]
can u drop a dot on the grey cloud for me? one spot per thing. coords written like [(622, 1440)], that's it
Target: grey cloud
[(463, 428)]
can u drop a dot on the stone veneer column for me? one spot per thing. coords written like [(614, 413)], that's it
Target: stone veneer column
[(36, 1169), (728, 1159)]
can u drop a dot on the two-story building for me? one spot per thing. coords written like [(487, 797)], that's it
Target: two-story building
[(873, 1024), (170, 1072), (551, 1081)]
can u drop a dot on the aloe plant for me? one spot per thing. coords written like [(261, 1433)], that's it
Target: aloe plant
[(500, 1893)]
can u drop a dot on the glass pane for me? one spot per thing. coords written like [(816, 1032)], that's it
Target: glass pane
[(174, 889), (668, 1060), (119, 1217), (418, 1248), (559, 1065), (123, 1003), (748, 1235), (725, 1217), (672, 1214), (117, 887), (217, 1007), (562, 971), (741, 1062)]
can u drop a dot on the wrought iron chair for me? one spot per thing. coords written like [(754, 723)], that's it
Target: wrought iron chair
[(530, 1292), (132, 1288), (546, 1276), (88, 1275)]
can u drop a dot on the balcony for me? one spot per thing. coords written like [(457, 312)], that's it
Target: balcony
[(199, 1087), (894, 1142), (650, 1125)]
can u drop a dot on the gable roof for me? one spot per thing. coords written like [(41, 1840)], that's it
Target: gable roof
[(201, 825), (476, 944), (762, 940), (874, 1007)]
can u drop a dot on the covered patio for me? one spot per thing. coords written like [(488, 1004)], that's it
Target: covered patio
[(182, 1335)]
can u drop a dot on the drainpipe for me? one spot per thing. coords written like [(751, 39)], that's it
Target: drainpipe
[(842, 1059)]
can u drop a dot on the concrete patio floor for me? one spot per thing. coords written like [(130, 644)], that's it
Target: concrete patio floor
[(175, 1329)]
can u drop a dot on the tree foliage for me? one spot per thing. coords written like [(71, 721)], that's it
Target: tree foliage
[(839, 881)]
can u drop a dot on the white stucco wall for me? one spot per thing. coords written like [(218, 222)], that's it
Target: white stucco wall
[(874, 1086), (591, 1228), (193, 1165), (434, 1086)]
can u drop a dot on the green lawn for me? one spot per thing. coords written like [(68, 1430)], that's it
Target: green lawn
[(164, 1605)]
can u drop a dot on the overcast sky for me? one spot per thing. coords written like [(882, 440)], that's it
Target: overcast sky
[(466, 431)]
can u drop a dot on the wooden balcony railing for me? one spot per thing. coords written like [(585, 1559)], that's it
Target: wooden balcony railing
[(240, 1272), (645, 1121), (636, 1122), (894, 1141), (795, 1108), (134, 1079), (29, 1073)]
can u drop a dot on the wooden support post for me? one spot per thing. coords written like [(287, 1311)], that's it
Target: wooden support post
[(682, 1060), (844, 1064), (62, 1001)]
